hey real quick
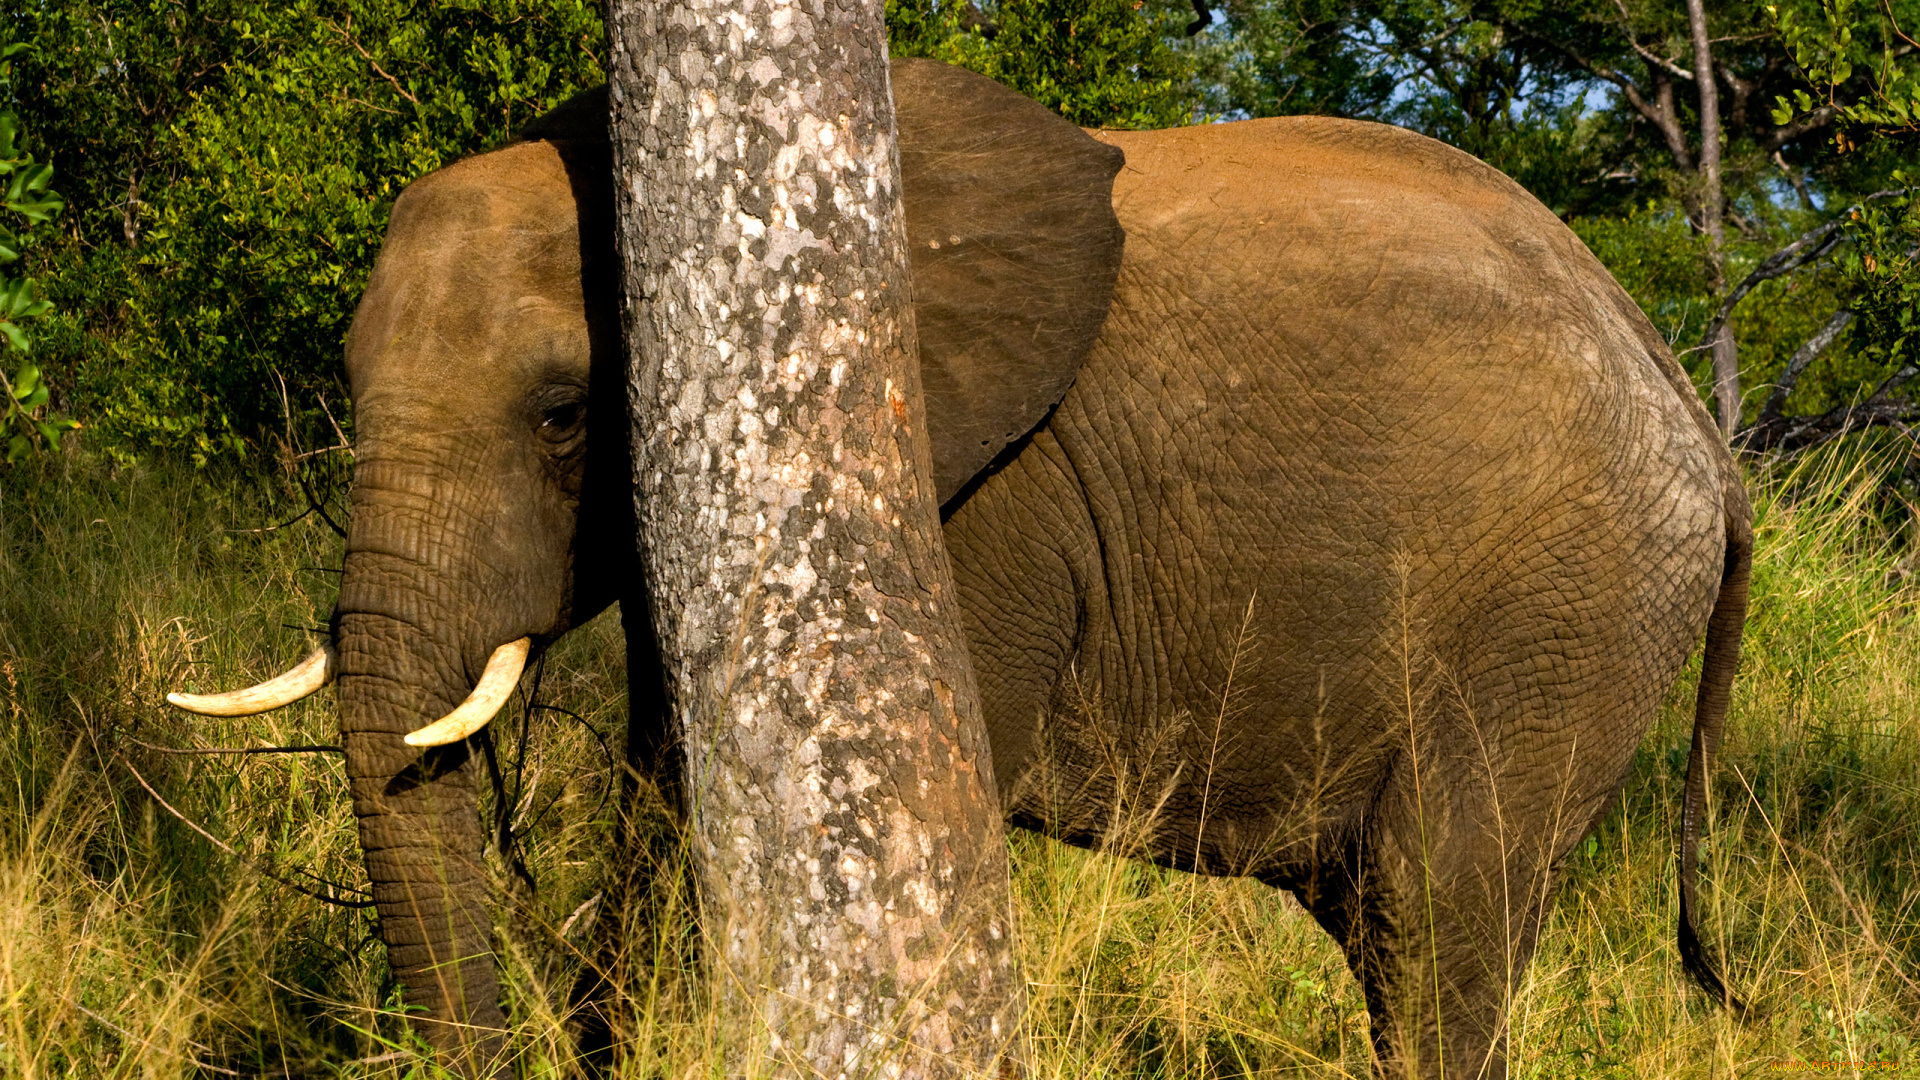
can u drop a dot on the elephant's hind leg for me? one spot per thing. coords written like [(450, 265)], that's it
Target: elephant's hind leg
[(1438, 906)]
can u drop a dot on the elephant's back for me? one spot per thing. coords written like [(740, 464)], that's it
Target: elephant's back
[(1257, 166), (1379, 250), (1366, 296)]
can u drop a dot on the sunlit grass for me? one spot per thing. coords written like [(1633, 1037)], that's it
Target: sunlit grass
[(131, 946)]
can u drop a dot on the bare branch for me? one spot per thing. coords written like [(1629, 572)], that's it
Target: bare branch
[(1657, 60), (377, 69), (1797, 179), (1660, 111), (1628, 88), (1884, 392), (1786, 133), (1792, 434), (1813, 244), (1626, 29), (1804, 355), (317, 748), (1667, 118), (1887, 7)]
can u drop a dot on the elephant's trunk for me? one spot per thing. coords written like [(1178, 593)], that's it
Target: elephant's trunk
[(409, 645)]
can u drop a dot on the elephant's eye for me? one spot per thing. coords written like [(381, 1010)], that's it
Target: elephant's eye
[(562, 416)]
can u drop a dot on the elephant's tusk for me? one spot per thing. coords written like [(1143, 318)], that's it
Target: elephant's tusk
[(308, 676), (501, 676)]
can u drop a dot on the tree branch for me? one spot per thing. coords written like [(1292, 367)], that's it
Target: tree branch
[(1657, 60), (1811, 245), (1804, 355), (1887, 7), (1786, 133), (1791, 434), (1667, 118), (1797, 179), (1628, 88), (1659, 111), (1626, 29), (377, 69)]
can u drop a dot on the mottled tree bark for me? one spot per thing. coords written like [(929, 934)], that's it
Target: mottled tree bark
[(841, 806)]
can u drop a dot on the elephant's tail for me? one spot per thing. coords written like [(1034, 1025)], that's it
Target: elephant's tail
[(1709, 718)]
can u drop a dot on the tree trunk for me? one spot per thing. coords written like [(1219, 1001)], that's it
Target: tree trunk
[(843, 819), (1726, 360)]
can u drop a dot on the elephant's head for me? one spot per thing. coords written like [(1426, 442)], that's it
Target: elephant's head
[(491, 502)]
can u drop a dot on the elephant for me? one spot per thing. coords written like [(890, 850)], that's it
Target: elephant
[(1307, 472)]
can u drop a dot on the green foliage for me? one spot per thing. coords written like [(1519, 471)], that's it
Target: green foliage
[(1591, 105), (1863, 69), (1478, 74), (1293, 57), (1559, 95), (232, 166), (1834, 42), (27, 198), (1655, 256), (1882, 273), (1099, 63)]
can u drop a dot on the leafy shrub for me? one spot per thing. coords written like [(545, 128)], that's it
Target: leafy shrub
[(1883, 273), (26, 197), (232, 167), (1099, 63)]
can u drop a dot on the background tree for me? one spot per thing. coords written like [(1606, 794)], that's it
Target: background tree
[(842, 818), (1874, 101)]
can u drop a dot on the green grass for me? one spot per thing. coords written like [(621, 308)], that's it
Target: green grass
[(131, 946)]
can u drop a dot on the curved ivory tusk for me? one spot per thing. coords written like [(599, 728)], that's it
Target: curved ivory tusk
[(501, 676), (308, 676)]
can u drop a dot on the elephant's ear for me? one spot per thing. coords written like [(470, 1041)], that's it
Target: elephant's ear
[(1014, 249), (1012, 242), (582, 117)]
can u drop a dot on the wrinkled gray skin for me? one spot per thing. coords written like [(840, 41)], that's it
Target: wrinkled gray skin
[(1374, 528)]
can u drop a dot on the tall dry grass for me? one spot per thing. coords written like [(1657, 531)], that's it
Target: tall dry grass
[(131, 945)]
